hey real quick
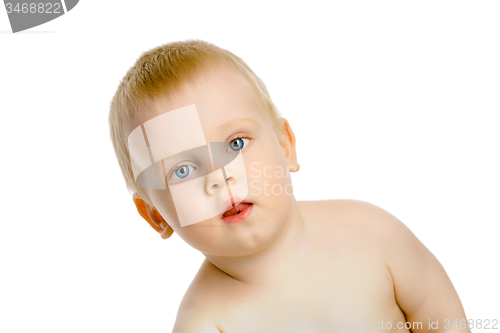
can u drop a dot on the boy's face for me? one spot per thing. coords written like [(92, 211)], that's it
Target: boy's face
[(245, 163)]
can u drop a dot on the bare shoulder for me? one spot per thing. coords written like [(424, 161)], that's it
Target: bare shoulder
[(372, 228), (422, 287), (363, 219), (343, 210), (200, 308), (196, 323)]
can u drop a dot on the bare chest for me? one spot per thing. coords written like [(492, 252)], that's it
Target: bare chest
[(353, 290)]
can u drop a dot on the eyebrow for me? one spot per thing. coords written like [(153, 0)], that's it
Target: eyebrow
[(238, 121)]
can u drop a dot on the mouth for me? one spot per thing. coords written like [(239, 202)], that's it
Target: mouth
[(237, 212)]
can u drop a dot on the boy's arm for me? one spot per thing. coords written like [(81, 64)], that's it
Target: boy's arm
[(422, 288)]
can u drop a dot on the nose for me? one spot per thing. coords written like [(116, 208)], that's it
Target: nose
[(230, 180), (214, 181), (230, 176), (217, 180)]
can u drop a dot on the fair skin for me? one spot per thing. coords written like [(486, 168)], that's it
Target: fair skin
[(290, 263)]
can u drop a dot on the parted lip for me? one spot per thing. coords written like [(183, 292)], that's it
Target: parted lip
[(227, 205)]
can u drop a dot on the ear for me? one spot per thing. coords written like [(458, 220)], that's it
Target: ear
[(287, 142), (151, 215)]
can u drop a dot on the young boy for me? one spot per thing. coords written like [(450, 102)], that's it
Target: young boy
[(207, 155)]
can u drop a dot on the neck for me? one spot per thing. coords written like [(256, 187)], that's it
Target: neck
[(268, 266)]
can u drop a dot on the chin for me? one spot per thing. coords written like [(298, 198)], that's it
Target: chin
[(259, 231)]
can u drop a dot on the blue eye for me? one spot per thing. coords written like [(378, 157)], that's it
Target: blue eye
[(238, 144), (182, 172)]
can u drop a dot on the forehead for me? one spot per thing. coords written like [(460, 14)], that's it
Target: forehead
[(219, 94)]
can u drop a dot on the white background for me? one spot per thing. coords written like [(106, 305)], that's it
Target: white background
[(392, 102)]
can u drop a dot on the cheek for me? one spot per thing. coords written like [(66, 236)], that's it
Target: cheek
[(202, 236), (162, 199), (268, 175)]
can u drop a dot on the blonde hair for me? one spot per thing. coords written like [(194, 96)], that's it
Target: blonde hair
[(158, 72)]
